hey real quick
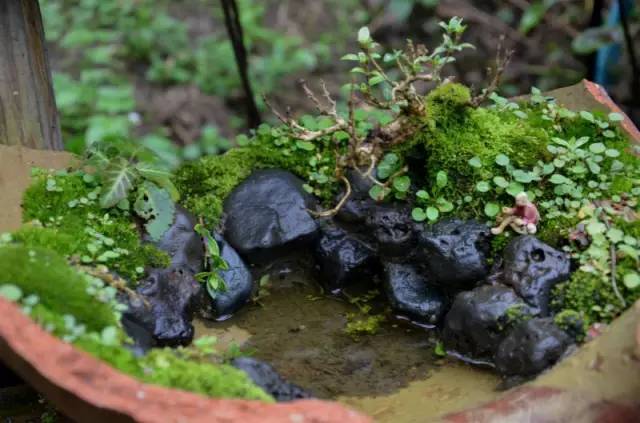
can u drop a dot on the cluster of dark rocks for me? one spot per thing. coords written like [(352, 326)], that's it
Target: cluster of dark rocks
[(436, 275)]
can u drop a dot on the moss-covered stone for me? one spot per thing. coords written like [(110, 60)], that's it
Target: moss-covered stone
[(204, 184), (572, 323)]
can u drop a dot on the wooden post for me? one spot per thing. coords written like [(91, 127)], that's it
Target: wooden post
[(28, 114)]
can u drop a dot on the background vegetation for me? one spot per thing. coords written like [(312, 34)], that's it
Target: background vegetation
[(163, 72)]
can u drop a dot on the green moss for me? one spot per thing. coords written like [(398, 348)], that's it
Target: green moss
[(592, 296), (60, 288), (359, 324), (572, 323), (165, 368), (220, 381), (499, 243), (49, 238), (516, 314), (556, 231), (160, 367), (205, 183), (66, 205)]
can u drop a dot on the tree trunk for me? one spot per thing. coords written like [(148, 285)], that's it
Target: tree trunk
[(28, 114)]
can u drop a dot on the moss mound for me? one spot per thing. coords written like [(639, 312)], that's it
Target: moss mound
[(68, 305), (563, 159), (42, 272), (66, 205)]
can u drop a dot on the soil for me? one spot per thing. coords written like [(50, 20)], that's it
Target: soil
[(301, 332), (15, 177)]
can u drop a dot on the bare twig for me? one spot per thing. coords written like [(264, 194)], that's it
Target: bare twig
[(114, 281), (503, 57), (302, 132), (612, 252)]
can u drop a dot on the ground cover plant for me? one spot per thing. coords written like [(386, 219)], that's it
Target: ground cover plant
[(419, 138)]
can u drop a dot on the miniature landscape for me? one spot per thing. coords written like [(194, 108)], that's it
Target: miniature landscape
[(419, 226)]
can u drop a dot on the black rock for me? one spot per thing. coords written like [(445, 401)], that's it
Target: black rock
[(532, 268), (267, 211), (478, 319), (456, 253), (342, 258), (165, 304), (238, 281), (141, 336), (181, 242), (412, 295), (531, 347), (393, 230), (359, 204), (265, 376)]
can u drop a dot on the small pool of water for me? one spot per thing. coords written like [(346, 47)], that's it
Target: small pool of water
[(392, 375)]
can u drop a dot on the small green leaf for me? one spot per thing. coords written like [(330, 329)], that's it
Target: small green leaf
[(557, 179), (432, 213), (616, 117), (154, 205), (378, 193), (631, 280), (305, 145), (597, 148), (587, 116), (441, 179), (502, 160), (475, 162), (514, 188), (364, 36), (615, 235), (500, 182), (595, 228), (491, 209), (160, 177), (483, 186), (612, 152), (352, 57), (11, 292), (422, 194), (402, 183), (418, 214)]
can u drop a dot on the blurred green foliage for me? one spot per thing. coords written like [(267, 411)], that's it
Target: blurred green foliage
[(101, 44)]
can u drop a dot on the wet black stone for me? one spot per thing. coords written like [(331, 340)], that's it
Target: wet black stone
[(265, 376), (532, 268), (342, 258), (411, 294), (165, 305), (268, 211), (141, 336), (393, 230), (360, 204), (531, 347), (456, 253), (181, 242), (238, 281), (478, 319)]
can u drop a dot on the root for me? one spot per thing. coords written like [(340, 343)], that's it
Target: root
[(336, 209)]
